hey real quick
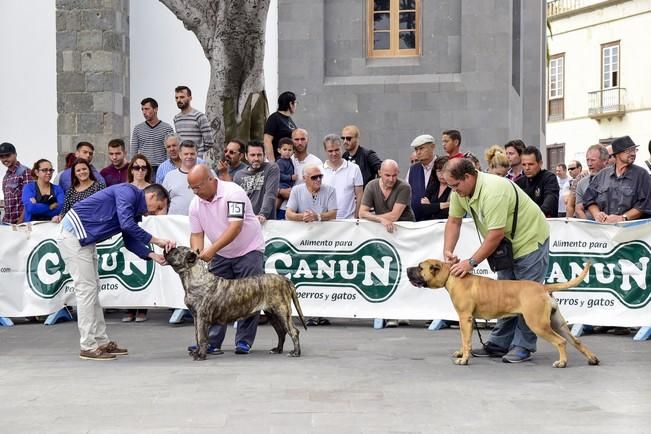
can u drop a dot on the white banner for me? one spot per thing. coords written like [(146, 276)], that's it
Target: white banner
[(344, 269)]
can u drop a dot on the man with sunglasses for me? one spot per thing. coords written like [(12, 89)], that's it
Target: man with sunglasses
[(367, 160), (621, 192), (232, 162), (312, 201), (16, 177)]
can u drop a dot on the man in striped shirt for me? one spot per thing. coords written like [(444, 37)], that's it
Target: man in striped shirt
[(148, 138), (191, 124)]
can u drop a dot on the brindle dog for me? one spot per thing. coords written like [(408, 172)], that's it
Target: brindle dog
[(214, 300)]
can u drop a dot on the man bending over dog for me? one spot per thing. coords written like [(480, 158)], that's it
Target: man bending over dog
[(222, 211), (492, 199)]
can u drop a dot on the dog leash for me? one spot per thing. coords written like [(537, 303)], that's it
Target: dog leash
[(481, 341)]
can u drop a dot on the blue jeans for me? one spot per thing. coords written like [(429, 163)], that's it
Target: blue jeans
[(251, 264), (514, 332)]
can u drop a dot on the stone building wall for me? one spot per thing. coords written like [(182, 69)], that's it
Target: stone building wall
[(92, 40)]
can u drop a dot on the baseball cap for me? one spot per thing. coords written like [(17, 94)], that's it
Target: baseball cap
[(421, 140), (621, 144), (7, 148)]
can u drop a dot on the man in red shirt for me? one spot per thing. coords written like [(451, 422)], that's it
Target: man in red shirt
[(117, 171)]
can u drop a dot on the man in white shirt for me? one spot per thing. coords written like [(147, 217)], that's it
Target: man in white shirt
[(176, 181), (345, 176)]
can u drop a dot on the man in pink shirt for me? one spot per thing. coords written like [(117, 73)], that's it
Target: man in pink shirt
[(222, 212)]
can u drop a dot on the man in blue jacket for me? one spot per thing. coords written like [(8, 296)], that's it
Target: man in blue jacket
[(111, 211)]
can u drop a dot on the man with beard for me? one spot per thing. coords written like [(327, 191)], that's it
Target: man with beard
[(540, 184), (597, 158), (260, 182), (191, 124), (621, 192), (176, 181), (148, 138), (513, 151), (232, 163), (367, 160)]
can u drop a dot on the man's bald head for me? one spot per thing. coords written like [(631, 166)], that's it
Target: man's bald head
[(389, 173), (389, 164), (202, 182)]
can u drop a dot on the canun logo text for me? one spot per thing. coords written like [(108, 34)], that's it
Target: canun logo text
[(373, 268), (47, 273), (623, 272)]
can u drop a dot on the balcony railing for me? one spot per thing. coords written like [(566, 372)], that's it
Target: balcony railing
[(607, 103), (561, 7)]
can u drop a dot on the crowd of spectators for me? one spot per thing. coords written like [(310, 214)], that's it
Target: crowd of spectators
[(283, 180)]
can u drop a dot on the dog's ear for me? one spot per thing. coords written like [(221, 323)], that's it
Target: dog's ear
[(434, 268)]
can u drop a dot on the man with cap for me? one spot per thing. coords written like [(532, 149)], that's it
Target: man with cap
[(12, 184), (620, 192), (421, 174)]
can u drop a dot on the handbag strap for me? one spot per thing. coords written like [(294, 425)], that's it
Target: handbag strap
[(515, 214)]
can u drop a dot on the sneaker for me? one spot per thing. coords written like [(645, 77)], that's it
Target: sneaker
[(323, 321), (242, 348), (488, 350), (311, 322), (141, 317), (211, 349), (112, 348), (517, 355), (128, 317), (391, 323), (96, 354)]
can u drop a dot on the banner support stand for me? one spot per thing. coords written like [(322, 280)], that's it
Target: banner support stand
[(62, 314), (438, 324), (179, 315), (644, 334), (581, 329), (6, 322)]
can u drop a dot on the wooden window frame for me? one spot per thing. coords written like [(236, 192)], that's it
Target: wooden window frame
[(619, 64), (558, 149), (394, 32), (557, 101)]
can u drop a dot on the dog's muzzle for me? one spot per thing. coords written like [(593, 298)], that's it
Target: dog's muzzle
[(413, 273)]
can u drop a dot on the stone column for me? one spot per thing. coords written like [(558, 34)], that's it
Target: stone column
[(92, 74)]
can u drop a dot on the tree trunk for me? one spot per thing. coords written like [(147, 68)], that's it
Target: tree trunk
[(231, 33)]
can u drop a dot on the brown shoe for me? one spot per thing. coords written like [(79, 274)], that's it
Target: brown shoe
[(96, 354), (113, 349)]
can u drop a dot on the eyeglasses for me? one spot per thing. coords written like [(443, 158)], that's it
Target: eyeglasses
[(316, 177), (347, 138), (139, 168), (46, 170), (454, 186), (572, 168), (230, 152)]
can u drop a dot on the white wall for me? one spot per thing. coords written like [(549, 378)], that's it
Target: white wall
[(28, 113), (580, 38), (164, 55)]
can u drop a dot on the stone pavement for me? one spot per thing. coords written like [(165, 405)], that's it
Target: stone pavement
[(351, 379)]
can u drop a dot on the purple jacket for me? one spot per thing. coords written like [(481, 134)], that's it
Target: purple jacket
[(108, 212)]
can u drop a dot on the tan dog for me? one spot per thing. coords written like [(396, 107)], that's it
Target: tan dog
[(481, 297)]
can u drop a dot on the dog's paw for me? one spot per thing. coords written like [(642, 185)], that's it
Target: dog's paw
[(594, 361), (294, 354), (275, 351), (560, 364), (461, 361), (457, 354)]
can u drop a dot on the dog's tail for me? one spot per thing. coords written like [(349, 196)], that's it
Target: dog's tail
[(297, 305), (572, 283)]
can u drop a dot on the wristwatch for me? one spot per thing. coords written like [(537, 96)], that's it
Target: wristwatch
[(625, 217), (472, 262)]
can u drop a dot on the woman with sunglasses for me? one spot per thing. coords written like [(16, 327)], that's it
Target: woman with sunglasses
[(42, 199), (84, 185), (139, 174)]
